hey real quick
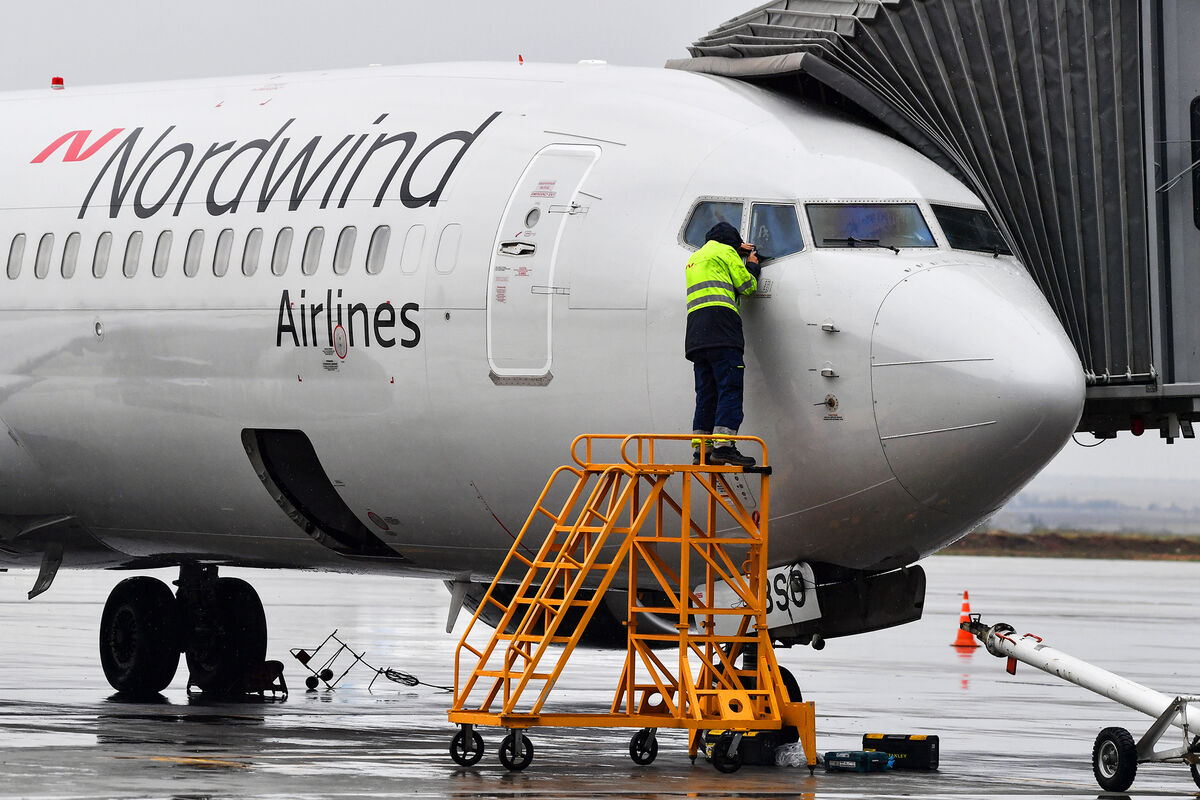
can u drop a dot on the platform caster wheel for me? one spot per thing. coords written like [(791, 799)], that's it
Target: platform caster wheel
[(516, 752), (1114, 759), (724, 760), (467, 750), (643, 747)]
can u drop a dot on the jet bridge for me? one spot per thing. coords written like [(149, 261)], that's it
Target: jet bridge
[(1074, 120)]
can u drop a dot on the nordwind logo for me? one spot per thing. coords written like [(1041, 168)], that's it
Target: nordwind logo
[(151, 172)]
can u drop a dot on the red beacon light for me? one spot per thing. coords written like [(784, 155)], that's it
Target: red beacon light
[(57, 83), (1137, 426)]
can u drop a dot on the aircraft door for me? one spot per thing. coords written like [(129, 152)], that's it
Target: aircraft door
[(521, 285)]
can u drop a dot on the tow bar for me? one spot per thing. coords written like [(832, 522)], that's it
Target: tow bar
[(1115, 756)]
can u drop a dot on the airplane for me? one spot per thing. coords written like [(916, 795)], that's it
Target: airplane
[(349, 321)]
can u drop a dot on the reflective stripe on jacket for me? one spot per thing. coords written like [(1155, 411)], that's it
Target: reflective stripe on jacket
[(716, 276)]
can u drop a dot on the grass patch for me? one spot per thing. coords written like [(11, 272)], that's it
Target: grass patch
[(1078, 544)]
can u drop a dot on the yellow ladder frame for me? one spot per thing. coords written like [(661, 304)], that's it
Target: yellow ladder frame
[(623, 497)]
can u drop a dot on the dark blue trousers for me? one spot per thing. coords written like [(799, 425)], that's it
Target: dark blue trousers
[(719, 377)]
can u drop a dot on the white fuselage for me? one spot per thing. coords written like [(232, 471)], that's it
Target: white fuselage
[(126, 397)]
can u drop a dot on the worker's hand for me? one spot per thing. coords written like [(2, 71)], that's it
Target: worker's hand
[(750, 251), (752, 258)]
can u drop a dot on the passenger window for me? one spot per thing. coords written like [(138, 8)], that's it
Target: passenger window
[(869, 225), (70, 255), (16, 254), (377, 251), (162, 252), (251, 252), (222, 252), (312, 251), (283, 250), (775, 230), (707, 214), (100, 258), (970, 229), (414, 243), (345, 249), (191, 256), (447, 252), (133, 254), (41, 262)]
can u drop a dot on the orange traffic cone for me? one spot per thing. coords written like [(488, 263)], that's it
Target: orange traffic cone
[(965, 639)]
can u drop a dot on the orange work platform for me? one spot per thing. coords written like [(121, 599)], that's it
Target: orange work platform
[(679, 541)]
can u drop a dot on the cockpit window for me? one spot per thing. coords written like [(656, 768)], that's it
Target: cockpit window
[(869, 225), (707, 214), (971, 229), (774, 230)]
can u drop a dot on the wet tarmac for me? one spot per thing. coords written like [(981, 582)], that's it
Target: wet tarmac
[(63, 736)]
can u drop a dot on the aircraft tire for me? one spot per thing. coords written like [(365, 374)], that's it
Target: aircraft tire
[(1114, 759), (790, 733), (220, 661), (139, 637)]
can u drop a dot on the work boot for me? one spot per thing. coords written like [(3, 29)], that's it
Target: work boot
[(729, 455), (696, 455)]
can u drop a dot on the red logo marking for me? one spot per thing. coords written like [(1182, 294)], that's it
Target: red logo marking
[(75, 151)]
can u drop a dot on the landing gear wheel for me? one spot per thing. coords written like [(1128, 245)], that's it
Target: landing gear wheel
[(1114, 759), (1194, 767), (643, 747), (466, 751), (139, 637), (790, 733), (513, 760), (234, 643), (791, 685), (722, 759)]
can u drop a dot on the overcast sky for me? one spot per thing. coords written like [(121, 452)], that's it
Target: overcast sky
[(134, 40), (129, 40)]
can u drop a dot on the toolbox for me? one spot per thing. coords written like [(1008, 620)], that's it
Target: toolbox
[(908, 751), (857, 761), (757, 748)]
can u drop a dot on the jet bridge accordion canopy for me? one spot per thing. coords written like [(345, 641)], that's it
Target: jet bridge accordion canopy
[(1037, 106)]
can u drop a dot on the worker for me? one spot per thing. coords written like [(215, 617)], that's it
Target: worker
[(716, 277)]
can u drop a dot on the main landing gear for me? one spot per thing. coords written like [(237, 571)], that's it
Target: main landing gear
[(217, 623)]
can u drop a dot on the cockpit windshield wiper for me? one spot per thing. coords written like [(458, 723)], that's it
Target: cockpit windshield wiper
[(851, 241)]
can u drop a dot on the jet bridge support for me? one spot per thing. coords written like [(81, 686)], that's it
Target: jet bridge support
[(1076, 122), (1115, 755), (635, 520)]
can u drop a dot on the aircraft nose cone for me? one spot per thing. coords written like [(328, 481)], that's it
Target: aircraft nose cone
[(975, 384)]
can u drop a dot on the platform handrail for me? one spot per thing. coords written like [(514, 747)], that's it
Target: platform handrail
[(645, 458)]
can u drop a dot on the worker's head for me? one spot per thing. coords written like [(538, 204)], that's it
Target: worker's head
[(724, 233)]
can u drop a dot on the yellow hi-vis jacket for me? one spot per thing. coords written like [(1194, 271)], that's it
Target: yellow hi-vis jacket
[(716, 276)]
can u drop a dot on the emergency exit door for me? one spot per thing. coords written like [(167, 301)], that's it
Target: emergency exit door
[(522, 281)]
